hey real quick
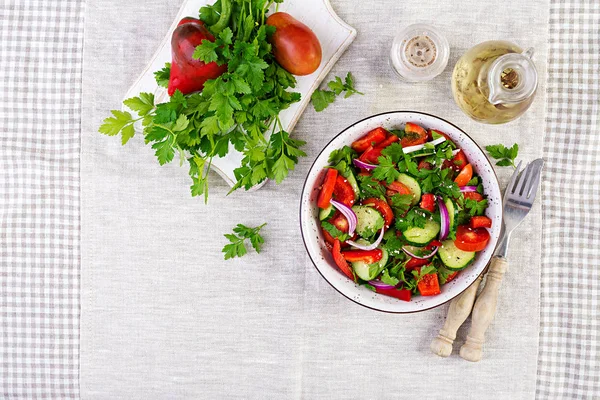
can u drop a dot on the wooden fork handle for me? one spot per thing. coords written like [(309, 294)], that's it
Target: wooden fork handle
[(484, 311), (460, 308)]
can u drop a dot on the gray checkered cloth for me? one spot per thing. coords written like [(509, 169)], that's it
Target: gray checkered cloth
[(40, 107), (40, 70), (569, 351)]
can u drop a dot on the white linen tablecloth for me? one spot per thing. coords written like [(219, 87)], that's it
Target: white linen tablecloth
[(162, 316)]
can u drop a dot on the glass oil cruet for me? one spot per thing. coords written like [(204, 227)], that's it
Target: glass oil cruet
[(495, 82)]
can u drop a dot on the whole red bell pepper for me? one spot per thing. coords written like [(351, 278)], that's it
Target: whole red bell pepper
[(189, 75)]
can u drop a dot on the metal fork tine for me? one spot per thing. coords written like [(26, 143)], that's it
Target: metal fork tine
[(531, 190), (524, 181), (512, 184)]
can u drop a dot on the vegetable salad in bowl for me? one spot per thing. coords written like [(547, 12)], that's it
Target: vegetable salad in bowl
[(402, 211)]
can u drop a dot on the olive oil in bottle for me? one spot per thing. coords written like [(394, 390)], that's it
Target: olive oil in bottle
[(495, 82)]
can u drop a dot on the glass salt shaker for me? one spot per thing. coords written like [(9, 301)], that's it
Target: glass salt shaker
[(419, 53)]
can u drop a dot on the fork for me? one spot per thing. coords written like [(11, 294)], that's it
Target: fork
[(518, 200)]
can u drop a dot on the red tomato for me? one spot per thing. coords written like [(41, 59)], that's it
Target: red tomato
[(372, 138), (364, 173), (402, 294), (468, 239), (473, 196), (327, 188), (398, 187), (383, 208), (451, 276), (343, 192), (368, 256), (295, 47), (428, 202), (416, 262), (187, 74), (480, 222), (429, 285), (340, 261), (464, 176), (414, 135), (457, 163), (424, 165)]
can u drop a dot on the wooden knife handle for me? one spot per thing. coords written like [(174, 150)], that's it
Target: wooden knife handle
[(460, 308), (484, 311)]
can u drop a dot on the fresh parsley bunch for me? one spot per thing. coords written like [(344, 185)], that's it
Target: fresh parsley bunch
[(240, 108)]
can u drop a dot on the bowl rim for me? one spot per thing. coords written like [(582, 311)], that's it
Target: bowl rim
[(483, 271)]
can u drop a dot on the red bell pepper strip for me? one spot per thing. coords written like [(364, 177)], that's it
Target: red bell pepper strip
[(327, 189), (368, 256), (340, 261)]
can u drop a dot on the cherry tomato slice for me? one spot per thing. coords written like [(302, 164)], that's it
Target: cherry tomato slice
[(428, 202), (480, 222), (473, 196), (432, 244), (343, 192), (328, 238), (451, 276), (468, 239), (383, 208), (327, 188), (368, 256), (399, 187), (371, 139), (464, 176), (457, 163), (340, 261), (371, 155), (429, 285), (424, 165), (391, 139), (415, 263), (339, 221), (415, 135), (402, 294)]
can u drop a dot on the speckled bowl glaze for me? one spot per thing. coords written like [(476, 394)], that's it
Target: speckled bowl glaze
[(315, 243)]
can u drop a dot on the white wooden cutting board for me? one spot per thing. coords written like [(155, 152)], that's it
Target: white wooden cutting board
[(333, 33)]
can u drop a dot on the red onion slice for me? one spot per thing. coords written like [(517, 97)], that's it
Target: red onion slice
[(348, 213), (464, 189), (444, 219), (363, 165), (408, 250), (380, 285), (371, 246)]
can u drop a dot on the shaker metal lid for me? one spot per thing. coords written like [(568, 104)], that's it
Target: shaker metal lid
[(419, 53)]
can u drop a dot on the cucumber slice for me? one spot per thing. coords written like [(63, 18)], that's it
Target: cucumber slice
[(452, 213), (454, 258), (352, 181), (422, 236), (369, 220), (368, 272), (413, 185), (325, 213)]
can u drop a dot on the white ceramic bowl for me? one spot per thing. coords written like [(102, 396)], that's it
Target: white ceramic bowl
[(315, 243)]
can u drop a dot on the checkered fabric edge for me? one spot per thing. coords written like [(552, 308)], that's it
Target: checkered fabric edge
[(41, 46), (569, 351)]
